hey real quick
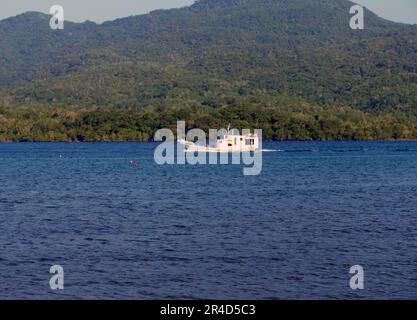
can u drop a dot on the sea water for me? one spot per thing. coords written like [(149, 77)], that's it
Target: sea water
[(207, 231)]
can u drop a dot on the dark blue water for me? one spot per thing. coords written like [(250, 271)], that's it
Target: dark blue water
[(191, 232)]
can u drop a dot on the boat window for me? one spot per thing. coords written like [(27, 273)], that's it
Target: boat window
[(250, 142), (235, 141)]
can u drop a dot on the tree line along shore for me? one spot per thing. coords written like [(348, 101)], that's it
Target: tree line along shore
[(51, 124)]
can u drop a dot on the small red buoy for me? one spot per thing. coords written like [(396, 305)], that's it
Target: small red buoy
[(134, 164)]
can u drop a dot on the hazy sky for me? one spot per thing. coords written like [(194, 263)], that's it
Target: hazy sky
[(102, 10)]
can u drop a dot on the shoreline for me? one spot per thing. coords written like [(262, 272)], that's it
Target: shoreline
[(103, 141)]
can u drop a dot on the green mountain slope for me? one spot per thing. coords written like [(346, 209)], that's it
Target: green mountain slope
[(283, 55)]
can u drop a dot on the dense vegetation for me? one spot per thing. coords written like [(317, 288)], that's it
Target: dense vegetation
[(291, 67), (109, 124)]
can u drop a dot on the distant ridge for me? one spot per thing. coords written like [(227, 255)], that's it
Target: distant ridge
[(214, 53)]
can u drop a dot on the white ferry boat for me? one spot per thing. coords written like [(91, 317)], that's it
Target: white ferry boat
[(227, 142)]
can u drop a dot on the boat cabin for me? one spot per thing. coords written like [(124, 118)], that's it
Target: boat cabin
[(232, 142)]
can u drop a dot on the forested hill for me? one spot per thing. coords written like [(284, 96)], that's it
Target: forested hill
[(292, 58)]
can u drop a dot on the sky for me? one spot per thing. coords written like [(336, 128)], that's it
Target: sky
[(103, 10)]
